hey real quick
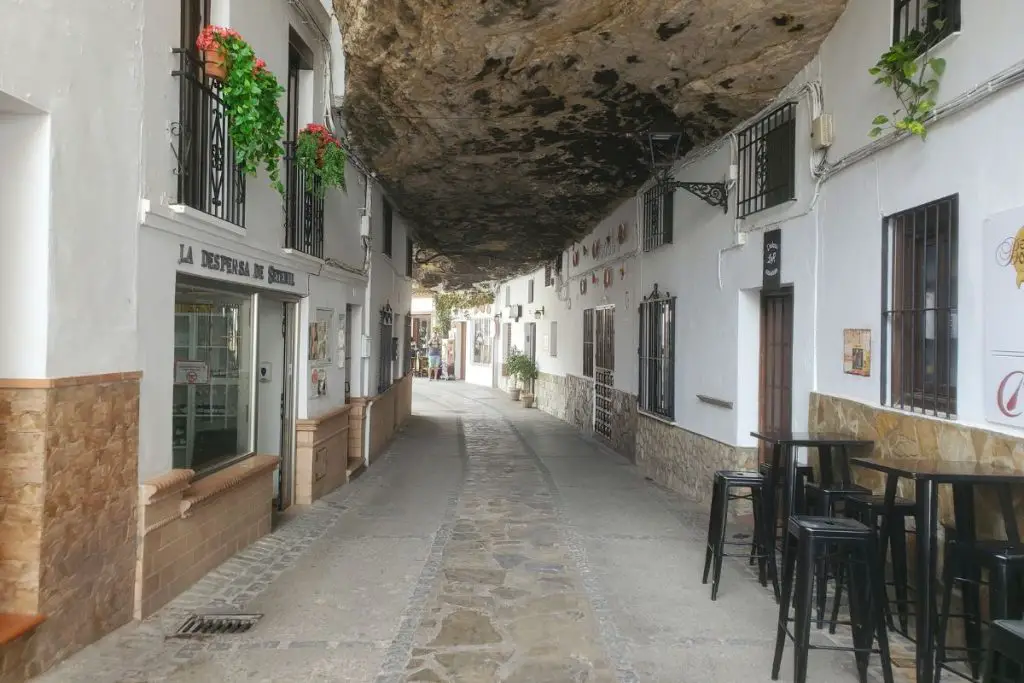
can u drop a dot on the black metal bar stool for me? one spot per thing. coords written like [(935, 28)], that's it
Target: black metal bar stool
[(870, 510), (964, 561), (854, 544), (1005, 649), (724, 485)]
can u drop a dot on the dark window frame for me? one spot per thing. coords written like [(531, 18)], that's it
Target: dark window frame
[(389, 229), (588, 342), (529, 291), (657, 354), (409, 261), (767, 162), (910, 16), (386, 363), (407, 341), (920, 264), (657, 206)]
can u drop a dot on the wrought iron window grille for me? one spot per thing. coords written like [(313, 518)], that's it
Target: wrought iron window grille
[(657, 354), (919, 308), (767, 162), (386, 367), (304, 207), (588, 342), (209, 177), (922, 16), (664, 153)]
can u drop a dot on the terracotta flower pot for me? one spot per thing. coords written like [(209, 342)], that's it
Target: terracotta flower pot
[(514, 393), (528, 400), (215, 63)]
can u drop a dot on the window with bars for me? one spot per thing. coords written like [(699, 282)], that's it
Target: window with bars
[(507, 347), (928, 20), (656, 219), (508, 295), (919, 326), (767, 162), (658, 354), (529, 292), (389, 232), (386, 365), (588, 342), (553, 342), (549, 277), (408, 257)]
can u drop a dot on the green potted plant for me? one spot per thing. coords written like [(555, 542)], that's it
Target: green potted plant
[(250, 93), (522, 369), (320, 154)]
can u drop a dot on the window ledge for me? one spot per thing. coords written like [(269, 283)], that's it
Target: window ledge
[(226, 479), (205, 222), (303, 257), (659, 418)]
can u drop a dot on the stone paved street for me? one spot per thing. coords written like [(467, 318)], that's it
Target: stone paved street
[(491, 543)]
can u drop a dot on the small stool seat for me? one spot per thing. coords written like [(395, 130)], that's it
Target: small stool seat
[(1005, 652), (724, 484), (853, 545)]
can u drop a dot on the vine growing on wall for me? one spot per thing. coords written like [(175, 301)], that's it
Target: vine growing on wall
[(445, 303), (913, 77)]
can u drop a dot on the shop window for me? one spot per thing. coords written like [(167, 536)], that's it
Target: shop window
[(921, 320), (767, 160), (211, 412), (482, 338), (657, 354)]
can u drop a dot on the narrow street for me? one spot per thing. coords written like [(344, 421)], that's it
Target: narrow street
[(492, 543)]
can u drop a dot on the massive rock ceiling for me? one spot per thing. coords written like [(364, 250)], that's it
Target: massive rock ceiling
[(505, 129)]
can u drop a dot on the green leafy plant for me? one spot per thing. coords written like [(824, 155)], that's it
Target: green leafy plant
[(321, 155), (445, 303), (906, 69), (250, 93), (521, 367)]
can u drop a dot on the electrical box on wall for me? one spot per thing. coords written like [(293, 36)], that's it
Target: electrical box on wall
[(364, 226), (364, 352), (823, 132)]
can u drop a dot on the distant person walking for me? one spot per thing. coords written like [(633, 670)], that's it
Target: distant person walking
[(434, 357)]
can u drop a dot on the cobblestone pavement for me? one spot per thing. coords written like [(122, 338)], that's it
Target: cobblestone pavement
[(491, 543)]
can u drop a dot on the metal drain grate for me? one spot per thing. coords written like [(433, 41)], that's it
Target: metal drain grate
[(216, 624)]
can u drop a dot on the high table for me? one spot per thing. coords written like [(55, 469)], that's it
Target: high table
[(784, 446), (927, 475)]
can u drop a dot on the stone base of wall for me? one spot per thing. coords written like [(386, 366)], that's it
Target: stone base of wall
[(571, 399), (389, 412), (187, 528), (624, 425), (906, 435), (579, 403), (684, 461), (551, 396), (69, 463), (321, 454)]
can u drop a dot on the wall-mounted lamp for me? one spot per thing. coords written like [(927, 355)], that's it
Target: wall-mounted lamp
[(538, 313)]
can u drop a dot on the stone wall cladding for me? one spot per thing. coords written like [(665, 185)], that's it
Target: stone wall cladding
[(69, 449), (905, 435), (551, 395), (685, 461), (579, 403), (189, 527), (624, 425)]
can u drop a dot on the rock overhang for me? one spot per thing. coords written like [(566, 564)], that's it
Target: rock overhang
[(505, 129)]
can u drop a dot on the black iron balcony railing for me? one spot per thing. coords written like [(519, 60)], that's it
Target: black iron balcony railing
[(304, 208), (209, 178)]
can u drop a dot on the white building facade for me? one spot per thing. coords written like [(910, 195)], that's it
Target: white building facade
[(193, 347), (855, 285)]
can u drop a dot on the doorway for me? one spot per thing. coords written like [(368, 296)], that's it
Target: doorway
[(604, 369), (775, 404), (275, 428), (530, 347)]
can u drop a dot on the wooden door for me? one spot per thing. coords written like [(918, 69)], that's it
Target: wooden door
[(776, 383)]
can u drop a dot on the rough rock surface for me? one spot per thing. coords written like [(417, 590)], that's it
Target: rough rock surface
[(506, 128)]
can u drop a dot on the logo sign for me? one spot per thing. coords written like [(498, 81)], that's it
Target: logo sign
[(1008, 398), (772, 266), (1011, 254)]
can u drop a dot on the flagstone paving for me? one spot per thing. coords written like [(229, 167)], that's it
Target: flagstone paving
[(491, 543)]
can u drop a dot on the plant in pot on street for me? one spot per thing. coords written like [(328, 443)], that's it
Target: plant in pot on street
[(523, 369), (250, 93), (320, 155)]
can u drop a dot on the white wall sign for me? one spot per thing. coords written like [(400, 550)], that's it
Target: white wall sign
[(1004, 322)]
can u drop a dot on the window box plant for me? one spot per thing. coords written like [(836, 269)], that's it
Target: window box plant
[(250, 92), (321, 155)]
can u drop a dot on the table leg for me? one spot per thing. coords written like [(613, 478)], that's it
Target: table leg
[(927, 549), (788, 498)]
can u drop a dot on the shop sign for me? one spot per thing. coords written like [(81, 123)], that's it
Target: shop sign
[(229, 265), (1003, 298), (772, 261)]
